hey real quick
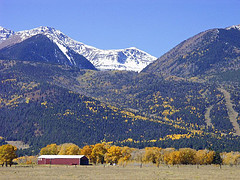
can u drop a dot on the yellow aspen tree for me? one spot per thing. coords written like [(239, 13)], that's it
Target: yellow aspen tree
[(51, 149), (168, 158), (69, 149), (73, 149), (187, 156), (204, 157), (7, 154), (231, 158), (152, 154), (210, 156), (113, 154), (167, 155), (200, 157), (63, 148), (98, 153), (126, 155), (173, 157)]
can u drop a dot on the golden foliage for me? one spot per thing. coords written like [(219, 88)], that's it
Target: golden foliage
[(204, 157), (98, 153), (231, 158), (153, 154), (26, 160), (44, 103), (105, 152), (7, 153), (87, 151), (126, 154), (63, 149), (113, 154), (8, 80), (69, 149), (51, 149), (182, 156)]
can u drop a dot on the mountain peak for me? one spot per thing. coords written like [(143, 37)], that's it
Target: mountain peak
[(4, 29), (234, 27), (132, 48), (39, 30), (5, 33), (44, 29)]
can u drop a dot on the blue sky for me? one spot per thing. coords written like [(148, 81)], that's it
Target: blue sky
[(154, 26)]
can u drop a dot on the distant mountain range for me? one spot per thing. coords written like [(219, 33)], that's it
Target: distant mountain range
[(131, 59)]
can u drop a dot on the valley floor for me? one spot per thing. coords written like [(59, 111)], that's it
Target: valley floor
[(119, 172)]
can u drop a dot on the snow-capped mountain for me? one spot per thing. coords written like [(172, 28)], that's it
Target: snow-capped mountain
[(131, 59), (5, 33)]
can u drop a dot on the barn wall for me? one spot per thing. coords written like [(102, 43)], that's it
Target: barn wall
[(42, 161), (67, 161), (63, 161)]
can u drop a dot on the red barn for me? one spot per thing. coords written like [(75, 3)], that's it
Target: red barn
[(63, 159)]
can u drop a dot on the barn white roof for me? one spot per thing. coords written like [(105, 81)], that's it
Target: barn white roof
[(61, 156)]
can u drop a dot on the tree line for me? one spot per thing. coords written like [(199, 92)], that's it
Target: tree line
[(7, 154), (101, 153)]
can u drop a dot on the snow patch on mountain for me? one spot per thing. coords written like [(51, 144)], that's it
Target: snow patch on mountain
[(234, 27), (64, 50), (131, 59)]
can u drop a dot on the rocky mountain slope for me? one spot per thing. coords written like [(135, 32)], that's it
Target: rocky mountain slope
[(131, 59), (212, 51)]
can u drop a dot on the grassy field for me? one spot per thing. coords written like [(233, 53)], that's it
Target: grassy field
[(119, 172)]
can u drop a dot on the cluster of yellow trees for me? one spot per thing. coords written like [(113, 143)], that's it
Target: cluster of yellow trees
[(188, 156), (98, 153), (106, 153), (231, 158), (7, 154), (29, 160)]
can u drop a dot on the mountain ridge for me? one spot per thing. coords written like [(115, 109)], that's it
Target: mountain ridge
[(205, 53)]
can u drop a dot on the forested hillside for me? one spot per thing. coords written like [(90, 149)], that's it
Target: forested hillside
[(38, 112), (43, 103)]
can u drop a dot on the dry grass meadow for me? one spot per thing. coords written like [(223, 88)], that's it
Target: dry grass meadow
[(119, 172)]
